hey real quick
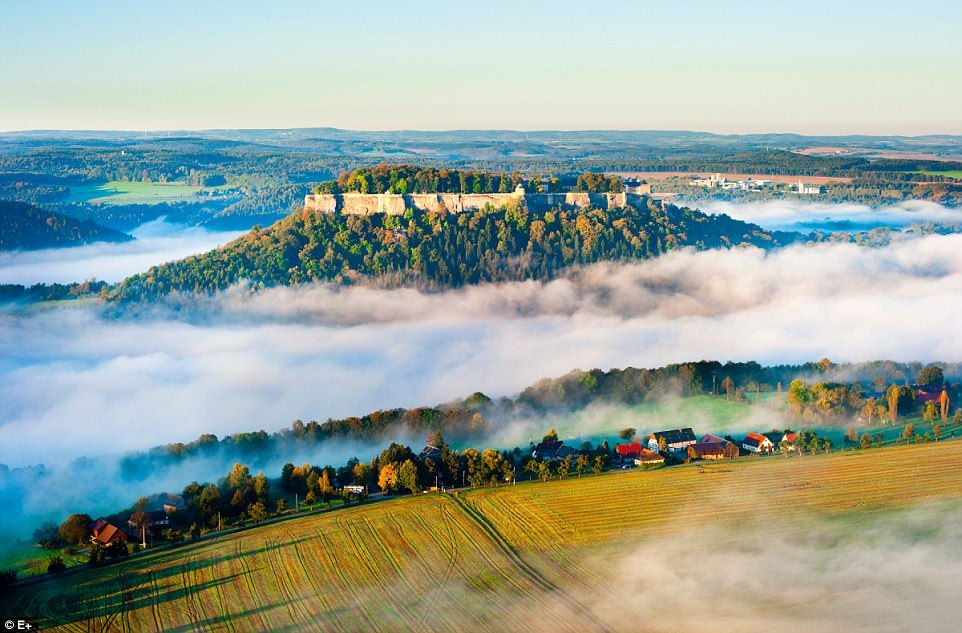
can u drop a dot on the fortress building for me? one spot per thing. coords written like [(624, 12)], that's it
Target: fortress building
[(397, 203)]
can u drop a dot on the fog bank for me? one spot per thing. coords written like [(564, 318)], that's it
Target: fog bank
[(77, 383), (800, 215), (156, 242)]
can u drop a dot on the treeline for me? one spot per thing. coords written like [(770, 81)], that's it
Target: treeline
[(52, 292), (881, 400), (385, 178), (25, 227), (441, 250)]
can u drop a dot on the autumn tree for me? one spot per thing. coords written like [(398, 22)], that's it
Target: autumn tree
[(387, 478), (627, 433), (908, 433), (76, 529), (581, 464), (728, 385), (866, 440), (931, 377)]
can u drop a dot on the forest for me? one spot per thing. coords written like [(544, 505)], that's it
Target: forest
[(26, 227), (440, 250)]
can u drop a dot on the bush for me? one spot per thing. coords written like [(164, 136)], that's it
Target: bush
[(56, 565)]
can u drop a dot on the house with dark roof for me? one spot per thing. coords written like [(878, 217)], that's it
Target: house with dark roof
[(553, 449), (430, 451), (104, 533), (756, 443), (675, 439), (713, 450)]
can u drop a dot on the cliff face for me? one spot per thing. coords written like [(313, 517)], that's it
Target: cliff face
[(395, 203)]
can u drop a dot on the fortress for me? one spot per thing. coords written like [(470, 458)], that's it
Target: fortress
[(397, 203)]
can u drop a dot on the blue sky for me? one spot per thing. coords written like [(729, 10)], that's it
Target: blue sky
[(809, 67)]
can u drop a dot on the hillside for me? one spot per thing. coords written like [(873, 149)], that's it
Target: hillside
[(26, 227), (440, 250), (596, 553)]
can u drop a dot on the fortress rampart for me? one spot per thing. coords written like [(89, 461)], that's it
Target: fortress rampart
[(396, 203)]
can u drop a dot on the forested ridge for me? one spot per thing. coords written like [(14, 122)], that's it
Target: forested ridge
[(24, 226), (440, 250)]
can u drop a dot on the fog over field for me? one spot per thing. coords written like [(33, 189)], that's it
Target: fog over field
[(157, 242), (82, 381), (242, 361), (800, 215)]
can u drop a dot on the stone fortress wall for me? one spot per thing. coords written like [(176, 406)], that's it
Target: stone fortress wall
[(396, 203)]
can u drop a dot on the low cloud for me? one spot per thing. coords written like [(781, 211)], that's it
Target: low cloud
[(76, 382), (798, 215), (156, 242)]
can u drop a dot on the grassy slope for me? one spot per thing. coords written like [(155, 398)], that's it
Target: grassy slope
[(482, 560), (116, 193)]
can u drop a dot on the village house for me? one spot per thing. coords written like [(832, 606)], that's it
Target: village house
[(712, 447), (675, 440), (649, 458), (756, 443), (104, 533), (553, 449), (627, 452)]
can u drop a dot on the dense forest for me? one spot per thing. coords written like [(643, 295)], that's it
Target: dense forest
[(407, 178), (26, 227), (440, 250)]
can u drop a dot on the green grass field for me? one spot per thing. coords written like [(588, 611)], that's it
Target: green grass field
[(948, 174), (117, 193), (532, 557)]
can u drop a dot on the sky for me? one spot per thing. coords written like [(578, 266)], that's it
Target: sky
[(820, 67)]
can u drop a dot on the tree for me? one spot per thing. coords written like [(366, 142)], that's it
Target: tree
[(957, 418), (552, 436), (866, 440), (851, 436), (937, 432), (564, 467), (581, 464), (908, 433), (662, 443), (728, 385), (141, 520), (257, 512), (931, 377), (363, 474), (598, 465), (931, 413), (544, 471), (944, 405), (387, 478), (407, 476), (76, 529), (627, 433)]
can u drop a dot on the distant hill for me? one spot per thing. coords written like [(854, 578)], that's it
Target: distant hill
[(440, 250), (26, 227)]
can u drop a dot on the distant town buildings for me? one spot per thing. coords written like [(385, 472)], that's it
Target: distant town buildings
[(718, 181)]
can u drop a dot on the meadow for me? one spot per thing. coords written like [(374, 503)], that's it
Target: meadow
[(119, 193), (957, 174), (534, 556)]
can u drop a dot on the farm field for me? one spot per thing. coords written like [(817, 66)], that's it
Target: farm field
[(117, 193), (536, 556), (957, 174)]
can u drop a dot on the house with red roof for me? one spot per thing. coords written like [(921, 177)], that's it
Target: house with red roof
[(757, 443), (628, 451), (104, 533)]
